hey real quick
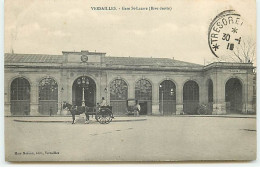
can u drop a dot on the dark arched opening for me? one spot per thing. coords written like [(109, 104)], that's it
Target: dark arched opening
[(233, 96), (190, 97), (84, 92), (167, 97), (20, 96)]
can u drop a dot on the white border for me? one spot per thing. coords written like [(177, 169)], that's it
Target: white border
[(117, 167)]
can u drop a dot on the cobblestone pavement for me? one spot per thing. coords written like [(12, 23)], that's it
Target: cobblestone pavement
[(146, 138)]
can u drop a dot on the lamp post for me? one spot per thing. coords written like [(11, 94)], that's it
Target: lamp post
[(168, 93), (162, 97), (106, 93), (83, 82), (61, 91)]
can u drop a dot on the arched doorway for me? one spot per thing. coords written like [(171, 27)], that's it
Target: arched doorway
[(210, 95), (143, 93), (190, 97), (167, 97), (48, 96), (233, 96), (84, 92), (20, 96), (118, 96)]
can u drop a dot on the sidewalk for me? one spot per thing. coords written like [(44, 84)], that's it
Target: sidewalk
[(129, 116), (68, 118)]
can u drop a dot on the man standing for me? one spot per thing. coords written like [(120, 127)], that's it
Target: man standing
[(137, 109)]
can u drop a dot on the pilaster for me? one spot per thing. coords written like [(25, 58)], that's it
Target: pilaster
[(219, 104), (34, 104), (179, 100), (155, 99)]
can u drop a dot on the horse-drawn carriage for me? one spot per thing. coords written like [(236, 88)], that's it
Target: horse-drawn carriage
[(103, 114)]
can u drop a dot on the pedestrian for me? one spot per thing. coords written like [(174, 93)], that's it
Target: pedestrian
[(51, 112), (137, 109)]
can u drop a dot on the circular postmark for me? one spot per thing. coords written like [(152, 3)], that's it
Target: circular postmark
[(225, 33)]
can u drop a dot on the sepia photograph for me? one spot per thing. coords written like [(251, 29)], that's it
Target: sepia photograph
[(130, 80)]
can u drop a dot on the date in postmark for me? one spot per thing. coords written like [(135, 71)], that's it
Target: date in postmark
[(225, 33)]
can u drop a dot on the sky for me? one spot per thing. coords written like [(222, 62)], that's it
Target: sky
[(53, 26)]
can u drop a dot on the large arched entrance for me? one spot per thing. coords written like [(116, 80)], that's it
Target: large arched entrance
[(167, 98), (48, 96), (190, 97), (143, 93), (84, 92), (20, 96), (118, 96), (233, 96)]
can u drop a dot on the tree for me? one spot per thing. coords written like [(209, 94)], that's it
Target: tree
[(245, 51)]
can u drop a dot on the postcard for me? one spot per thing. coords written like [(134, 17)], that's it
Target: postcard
[(130, 80)]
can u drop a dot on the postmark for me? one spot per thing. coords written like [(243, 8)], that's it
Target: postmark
[(225, 33)]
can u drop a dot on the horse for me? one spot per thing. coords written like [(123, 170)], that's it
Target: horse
[(77, 110)]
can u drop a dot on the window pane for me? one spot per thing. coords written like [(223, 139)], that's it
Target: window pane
[(191, 91), (118, 90), (20, 89), (48, 89), (167, 90), (143, 90)]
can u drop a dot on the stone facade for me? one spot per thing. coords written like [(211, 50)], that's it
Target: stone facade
[(66, 68)]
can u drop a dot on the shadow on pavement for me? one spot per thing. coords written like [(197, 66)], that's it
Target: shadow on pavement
[(27, 121), (129, 120)]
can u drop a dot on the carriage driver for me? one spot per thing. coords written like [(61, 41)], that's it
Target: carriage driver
[(103, 102)]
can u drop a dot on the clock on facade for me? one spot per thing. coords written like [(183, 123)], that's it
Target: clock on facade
[(84, 58)]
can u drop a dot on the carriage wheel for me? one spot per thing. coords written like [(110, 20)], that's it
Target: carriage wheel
[(104, 119)]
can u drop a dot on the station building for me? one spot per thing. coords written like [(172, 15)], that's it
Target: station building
[(37, 84)]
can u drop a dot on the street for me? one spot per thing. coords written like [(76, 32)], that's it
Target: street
[(145, 138)]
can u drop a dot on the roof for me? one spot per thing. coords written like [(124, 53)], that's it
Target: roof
[(109, 61), (33, 58), (165, 62)]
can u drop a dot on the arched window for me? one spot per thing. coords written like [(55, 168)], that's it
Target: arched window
[(143, 90), (20, 96), (118, 90), (118, 96), (191, 91), (143, 93), (48, 96), (20, 89), (48, 89)]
